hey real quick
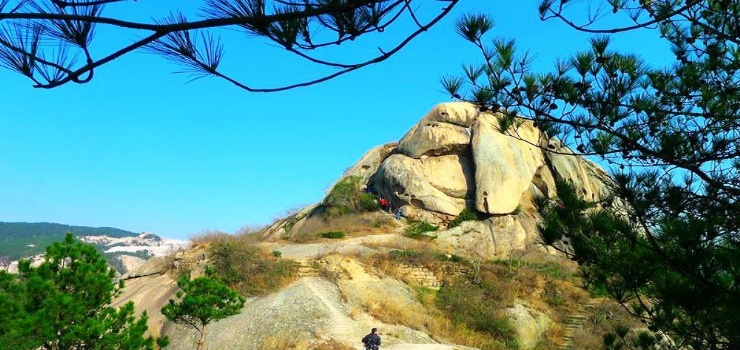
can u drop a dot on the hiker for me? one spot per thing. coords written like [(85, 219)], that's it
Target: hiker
[(372, 340), (390, 207), (398, 213), (383, 203)]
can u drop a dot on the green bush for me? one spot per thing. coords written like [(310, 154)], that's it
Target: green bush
[(479, 308), (248, 269), (418, 228), (415, 257), (347, 197), (332, 235), (346, 192), (368, 202), (465, 215)]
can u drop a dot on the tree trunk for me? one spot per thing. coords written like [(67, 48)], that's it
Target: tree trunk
[(202, 340)]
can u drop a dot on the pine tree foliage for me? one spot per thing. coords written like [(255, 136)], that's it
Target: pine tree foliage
[(201, 301), (62, 304), (51, 42), (671, 253)]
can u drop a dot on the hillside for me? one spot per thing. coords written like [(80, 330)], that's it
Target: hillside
[(454, 262), (318, 293), (23, 239), (123, 249)]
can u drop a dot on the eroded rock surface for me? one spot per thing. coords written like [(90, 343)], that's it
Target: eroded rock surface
[(457, 158)]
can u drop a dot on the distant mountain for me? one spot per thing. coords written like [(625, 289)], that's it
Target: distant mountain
[(123, 249), (22, 239)]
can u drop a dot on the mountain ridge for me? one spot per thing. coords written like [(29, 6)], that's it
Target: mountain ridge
[(123, 249)]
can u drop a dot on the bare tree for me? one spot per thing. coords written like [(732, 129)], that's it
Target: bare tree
[(49, 41)]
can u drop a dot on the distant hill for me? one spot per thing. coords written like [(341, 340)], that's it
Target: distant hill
[(23, 239)]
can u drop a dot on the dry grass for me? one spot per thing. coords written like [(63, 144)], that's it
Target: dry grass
[(603, 318), (398, 311), (206, 237), (404, 244), (293, 342), (331, 344), (351, 224), (543, 283), (249, 269), (284, 342)]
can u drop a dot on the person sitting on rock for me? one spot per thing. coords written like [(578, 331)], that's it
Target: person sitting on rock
[(372, 340)]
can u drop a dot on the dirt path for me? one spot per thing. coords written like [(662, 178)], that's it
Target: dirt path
[(422, 347), (343, 328), (352, 246)]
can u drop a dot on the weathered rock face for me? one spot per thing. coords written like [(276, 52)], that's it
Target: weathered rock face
[(439, 184), (530, 325), (435, 139), (504, 165), (458, 158), (583, 174)]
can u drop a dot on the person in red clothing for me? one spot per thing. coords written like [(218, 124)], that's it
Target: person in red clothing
[(383, 203)]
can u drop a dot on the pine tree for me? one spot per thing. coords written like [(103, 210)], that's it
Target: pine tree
[(62, 304), (201, 301), (671, 136)]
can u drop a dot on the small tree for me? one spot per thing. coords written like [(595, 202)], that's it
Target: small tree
[(205, 299)]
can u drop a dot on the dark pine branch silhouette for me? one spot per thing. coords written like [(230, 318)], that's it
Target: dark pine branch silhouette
[(48, 41)]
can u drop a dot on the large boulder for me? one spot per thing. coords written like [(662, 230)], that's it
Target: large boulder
[(434, 139), (438, 184), (368, 165), (504, 165), (530, 325), (586, 176), (457, 113)]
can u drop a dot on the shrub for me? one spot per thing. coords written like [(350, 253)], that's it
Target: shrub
[(417, 229), (478, 307), (347, 197), (368, 202), (465, 215), (332, 234), (248, 269)]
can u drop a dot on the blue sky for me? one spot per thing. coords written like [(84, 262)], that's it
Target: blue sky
[(142, 149)]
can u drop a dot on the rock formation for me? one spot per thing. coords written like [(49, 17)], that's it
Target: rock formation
[(457, 157)]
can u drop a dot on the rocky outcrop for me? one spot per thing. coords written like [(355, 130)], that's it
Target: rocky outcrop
[(584, 175), (435, 139), (530, 325), (438, 184), (458, 158), (505, 164)]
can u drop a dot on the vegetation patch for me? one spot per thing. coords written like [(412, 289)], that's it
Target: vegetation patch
[(465, 215), (417, 229), (350, 224), (248, 269), (347, 197), (333, 234)]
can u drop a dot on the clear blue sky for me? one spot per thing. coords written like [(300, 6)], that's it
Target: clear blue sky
[(141, 149)]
